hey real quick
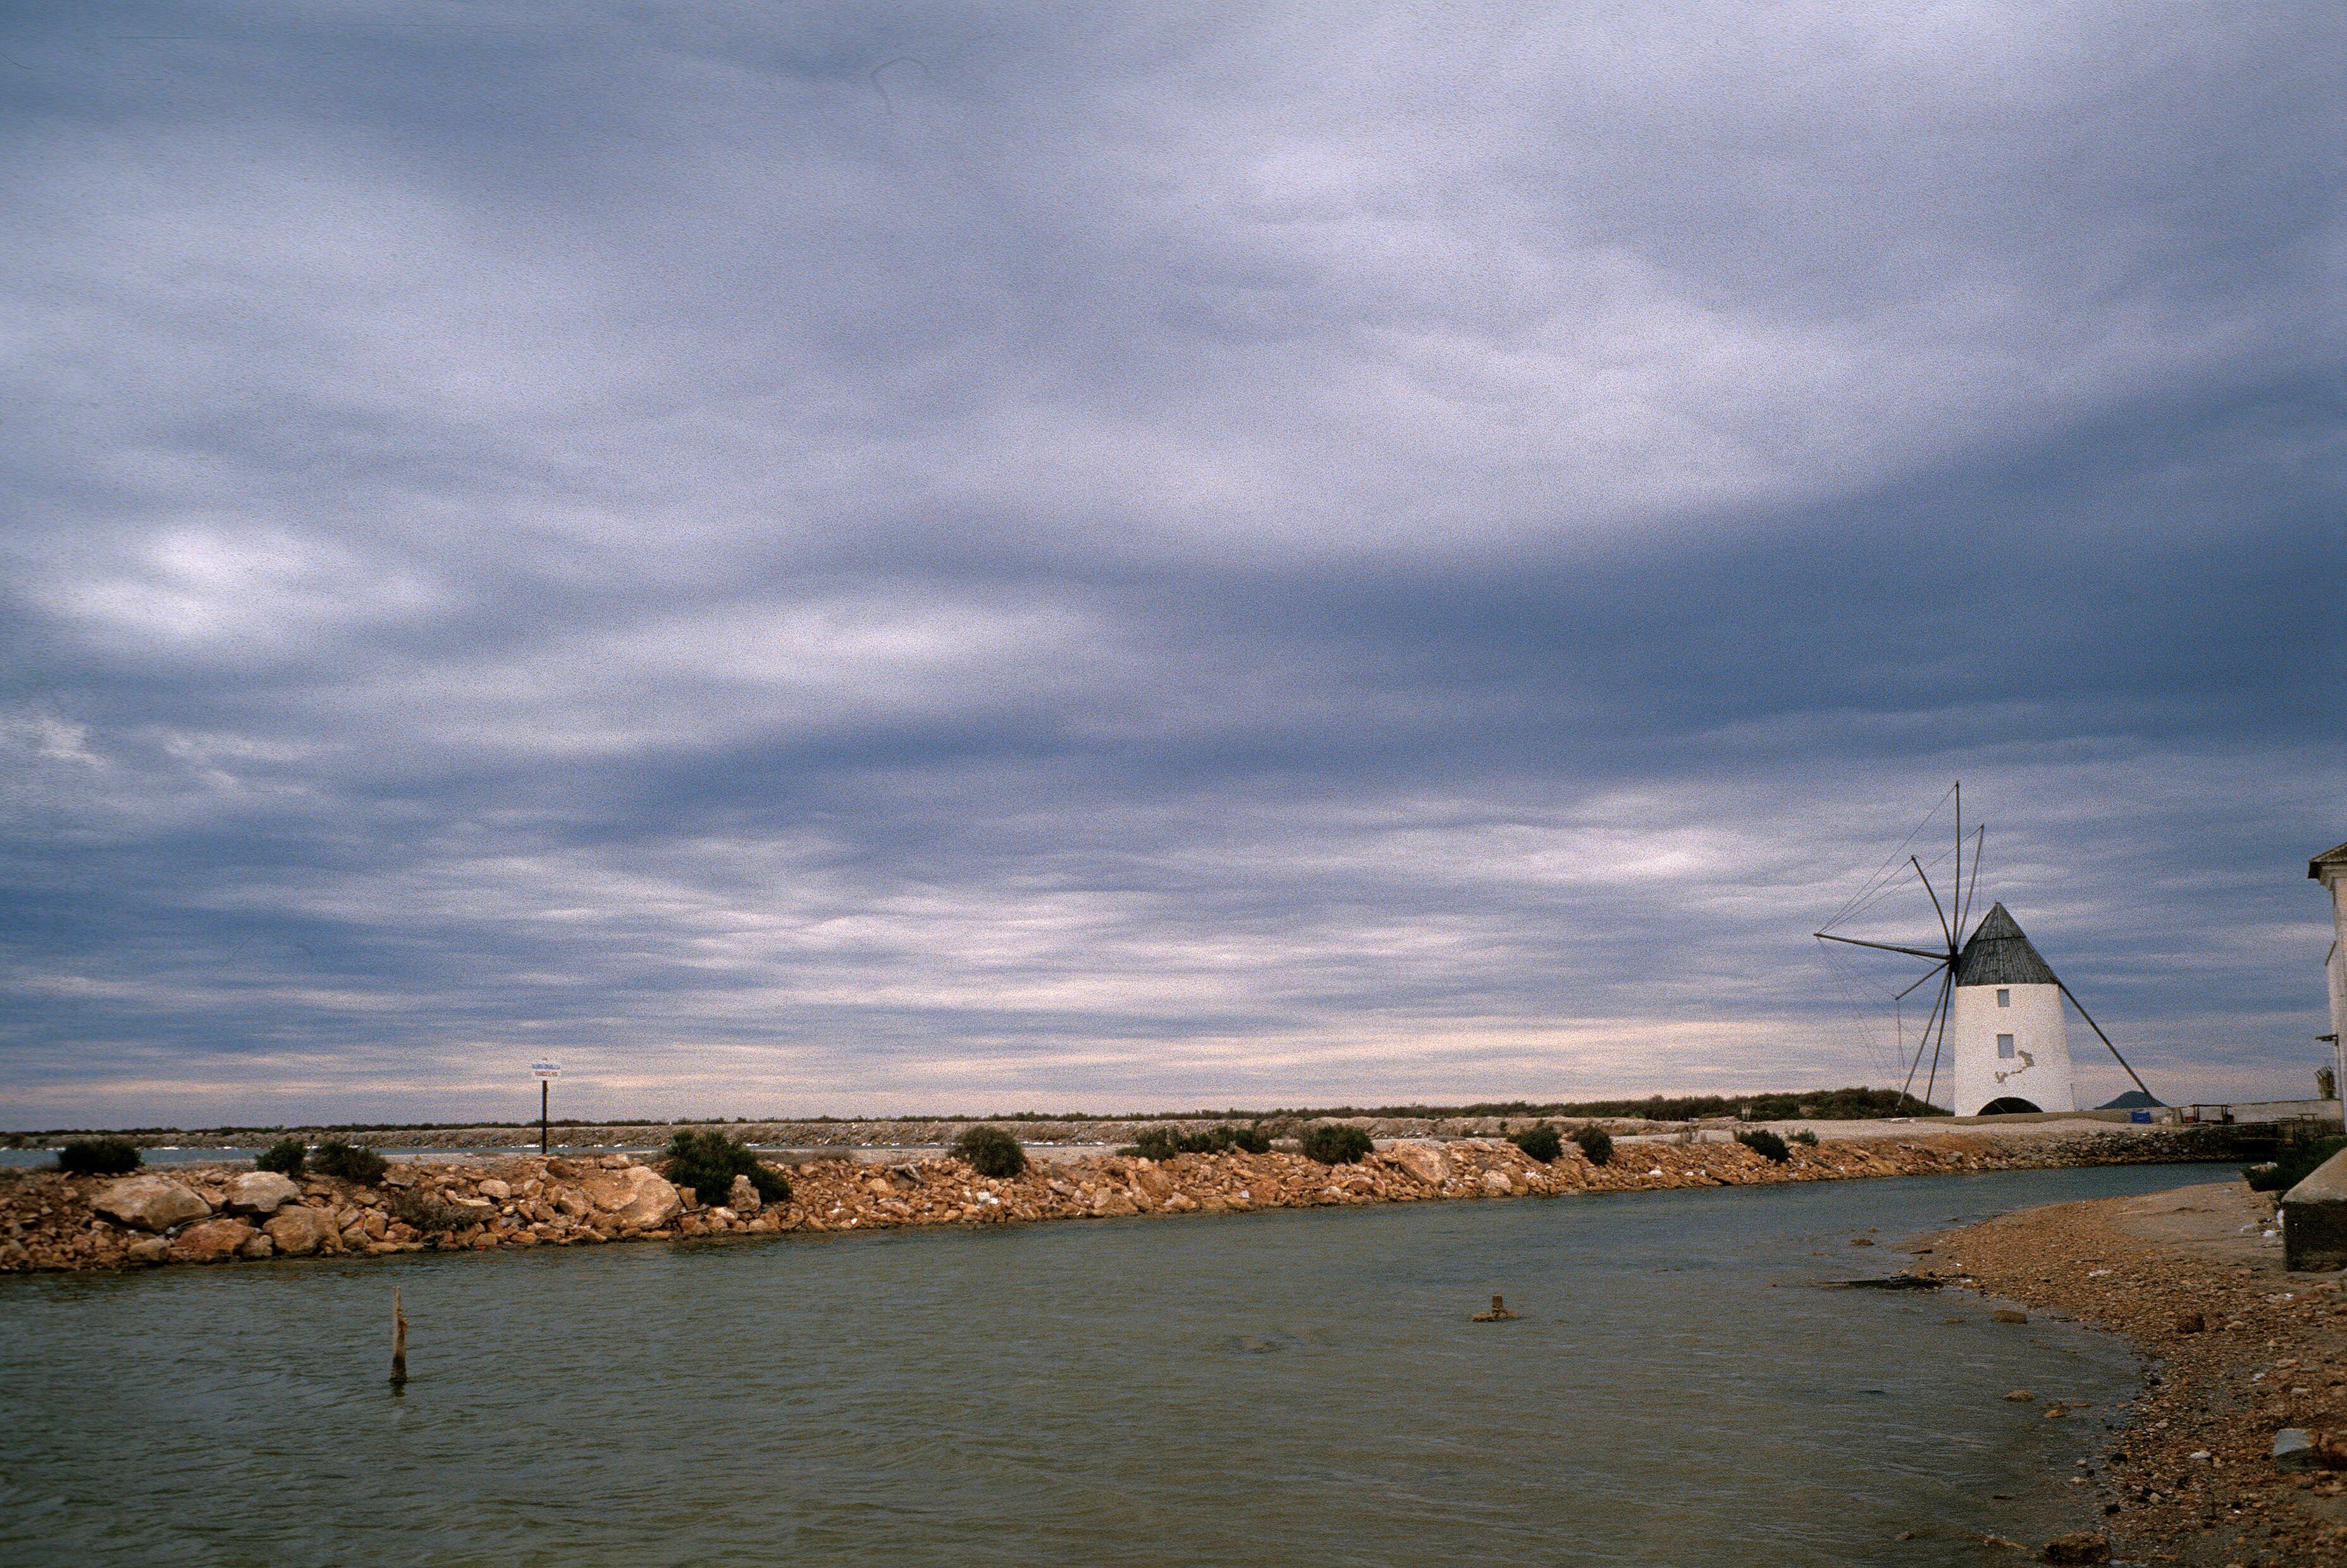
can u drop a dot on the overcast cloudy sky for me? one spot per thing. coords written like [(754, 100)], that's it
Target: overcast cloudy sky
[(858, 559)]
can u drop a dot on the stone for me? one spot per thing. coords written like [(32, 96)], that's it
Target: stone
[(257, 1248), (260, 1192), (1181, 1204), (493, 1188), (2007, 1315), (211, 1240), (1155, 1183), (2084, 1547), (149, 1202), (2191, 1323), (631, 1195), (2021, 1394), (1498, 1314), (298, 1231), (1424, 1161), (744, 1199), (1497, 1184), (149, 1250), (400, 1175)]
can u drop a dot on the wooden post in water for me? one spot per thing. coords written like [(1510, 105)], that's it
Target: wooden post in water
[(398, 1342)]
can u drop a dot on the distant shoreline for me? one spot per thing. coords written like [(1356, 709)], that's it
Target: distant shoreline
[(918, 1132)]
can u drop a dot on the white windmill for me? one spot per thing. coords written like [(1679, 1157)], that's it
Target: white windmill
[(1997, 1015)]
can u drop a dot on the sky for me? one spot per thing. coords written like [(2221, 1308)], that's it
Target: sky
[(842, 559)]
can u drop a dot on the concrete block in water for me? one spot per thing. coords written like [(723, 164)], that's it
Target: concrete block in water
[(2314, 1217)]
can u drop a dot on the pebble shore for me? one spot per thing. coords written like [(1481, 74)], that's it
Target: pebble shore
[(2241, 1347), (225, 1214)]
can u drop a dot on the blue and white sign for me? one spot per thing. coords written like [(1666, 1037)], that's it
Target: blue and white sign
[(549, 1070)]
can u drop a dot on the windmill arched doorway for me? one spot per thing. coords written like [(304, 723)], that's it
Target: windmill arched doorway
[(2011, 1105)]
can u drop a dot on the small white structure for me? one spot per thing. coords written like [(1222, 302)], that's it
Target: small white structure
[(2010, 1045), (2330, 869)]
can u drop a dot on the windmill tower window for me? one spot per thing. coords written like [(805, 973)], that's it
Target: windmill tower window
[(2004, 1046), (2004, 998)]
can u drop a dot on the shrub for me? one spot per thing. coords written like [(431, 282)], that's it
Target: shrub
[(2293, 1165), (1163, 1142), (1334, 1143), (1804, 1137), (992, 1151), (98, 1157), (1766, 1145), (426, 1212), (1541, 1143), (286, 1157), (708, 1161), (1595, 1142), (336, 1158), (1157, 1144)]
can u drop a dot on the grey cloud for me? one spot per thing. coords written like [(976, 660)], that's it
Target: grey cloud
[(1123, 562)]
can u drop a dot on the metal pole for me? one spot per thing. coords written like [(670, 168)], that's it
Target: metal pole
[(542, 1087)]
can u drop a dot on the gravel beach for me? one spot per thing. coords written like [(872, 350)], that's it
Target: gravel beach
[(2240, 1347)]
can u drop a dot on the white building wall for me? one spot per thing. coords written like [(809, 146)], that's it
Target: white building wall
[(2039, 1069)]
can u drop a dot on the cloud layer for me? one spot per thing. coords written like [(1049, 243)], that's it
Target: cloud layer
[(807, 560)]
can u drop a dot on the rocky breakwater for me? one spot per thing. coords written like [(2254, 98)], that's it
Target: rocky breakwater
[(218, 1214)]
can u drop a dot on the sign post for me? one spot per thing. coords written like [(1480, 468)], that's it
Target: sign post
[(546, 1073)]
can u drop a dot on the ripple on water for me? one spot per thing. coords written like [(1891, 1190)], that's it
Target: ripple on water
[(1275, 1388)]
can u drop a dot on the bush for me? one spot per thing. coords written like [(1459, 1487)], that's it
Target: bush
[(286, 1157), (98, 1157), (1595, 1142), (336, 1158), (1334, 1143), (2293, 1165), (1163, 1142), (1766, 1145), (708, 1161), (992, 1151), (1804, 1137), (1541, 1143), (1157, 1144)]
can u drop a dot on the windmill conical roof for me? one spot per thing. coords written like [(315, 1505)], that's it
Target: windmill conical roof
[(1999, 955)]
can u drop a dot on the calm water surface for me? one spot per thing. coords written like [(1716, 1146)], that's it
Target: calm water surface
[(1287, 1388)]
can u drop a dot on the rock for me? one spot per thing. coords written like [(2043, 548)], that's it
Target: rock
[(149, 1202), (260, 1192), (149, 1250), (400, 1175), (1497, 1184), (2296, 1449), (2191, 1323), (2007, 1315), (2021, 1394), (744, 1199), (1424, 1161), (298, 1232), (1181, 1204), (493, 1188), (1498, 1314), (2084, 1547), (634, 1195), (257, 1248), (211, 1240), (1861, 1241)]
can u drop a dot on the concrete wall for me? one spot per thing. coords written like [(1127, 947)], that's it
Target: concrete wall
[(2039, 1069)]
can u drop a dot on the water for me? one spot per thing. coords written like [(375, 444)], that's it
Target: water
[(1282, 1388)]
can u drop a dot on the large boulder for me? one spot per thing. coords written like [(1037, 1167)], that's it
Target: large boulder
[(298, 1232), (634, 1196), (212, 1241), (149, 1202), (744, 1199), (260, 1192), (1425, 1160)]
